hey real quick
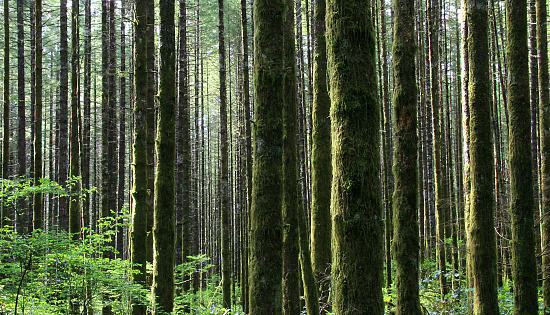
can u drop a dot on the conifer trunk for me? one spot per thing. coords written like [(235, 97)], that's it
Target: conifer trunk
[(356, 206), (291, 249), (265, 213), (163, 226), (37, 146), (524, 269), (321, 176), (224, 174), (138, 229), (544, 125), (481, 241), (74, 171), (405, 225)]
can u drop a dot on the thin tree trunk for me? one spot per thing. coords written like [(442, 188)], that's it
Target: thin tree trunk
[(544, 125), (63, 121), (37, 198), (164, 227), (74, 205), (291, 249), (138, 231), (6, 113)]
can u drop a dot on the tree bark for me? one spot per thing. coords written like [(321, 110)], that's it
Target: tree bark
[(405, 225), (163, 226), (357, 237), (265, 214), (482, 258), (37, 198)]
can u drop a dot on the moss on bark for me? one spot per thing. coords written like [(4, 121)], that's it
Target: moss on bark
[(405, 215), (481, 233), (265, 261), (356, 206)]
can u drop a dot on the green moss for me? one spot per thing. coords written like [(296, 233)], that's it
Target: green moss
[(357, 238)]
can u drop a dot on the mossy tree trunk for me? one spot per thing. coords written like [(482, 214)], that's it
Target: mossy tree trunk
[(138, 229), (164, 205), (248, 155), (356, 206), (405, 214), (481, 241), (224, 171), (265, 212), (291, 249), (321, 171), (544, 126), (524, 269)]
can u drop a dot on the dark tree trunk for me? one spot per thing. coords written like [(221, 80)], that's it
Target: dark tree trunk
[(405, 221), (544, 125), (37, 198), (6, 111), (74, 204), (224, 164), (481, 222), (357, 237), (138, 231), (265, 214), (291, 265), (163, 227), (320, 158), (63, 121)]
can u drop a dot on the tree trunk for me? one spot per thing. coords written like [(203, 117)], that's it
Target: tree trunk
[(481, 222), (37, 198), (6, 114), (544, 125), (224, 176), (138, 231), (524, 269), (405, 223), (265, 214), (74, 204), (357, 237), (21, 121), (163, 227), (62, 148), (291, 249), (321, 176), (121, 194)]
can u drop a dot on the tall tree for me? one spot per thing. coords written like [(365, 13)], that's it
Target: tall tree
[(37, 198), (441, 190), (405, 238), (265, 212), (74, 203), (86, 115), (63, 117), (321, 176), (357, 236), (138, 229), (121, 193), (21, 121), (183, 153), (245, 99), (248, 138), (291, 249), (163, 226), (524, 269), (482, 254), (224, 164), (544, 126), (6, 107)]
